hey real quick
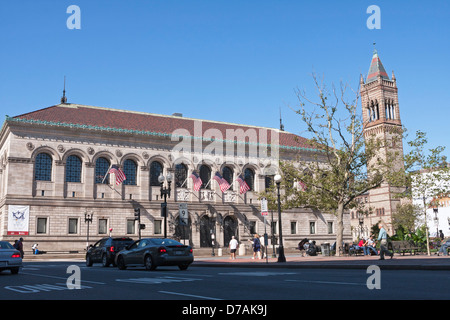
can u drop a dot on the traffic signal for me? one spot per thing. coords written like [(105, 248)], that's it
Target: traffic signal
[(137, 214)]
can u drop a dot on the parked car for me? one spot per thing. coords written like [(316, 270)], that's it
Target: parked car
[(154, 252), (105, 250), (10, 258)]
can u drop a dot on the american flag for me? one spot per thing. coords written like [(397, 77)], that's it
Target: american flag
[(243, 186), (197, 181), (120, 176), (223, 184)]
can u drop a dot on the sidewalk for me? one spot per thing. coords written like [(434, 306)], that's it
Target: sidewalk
[(399, 262)]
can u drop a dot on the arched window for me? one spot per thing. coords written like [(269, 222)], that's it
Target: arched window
[(43, 167), (180, 175), (205, 175), (73, 169), (227, 174), (249, 177), (101, 170), (130, 171), (156, 169)]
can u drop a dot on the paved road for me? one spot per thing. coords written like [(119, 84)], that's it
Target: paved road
[(49, 280)]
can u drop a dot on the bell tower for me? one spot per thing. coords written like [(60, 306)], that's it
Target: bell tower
[(381, 117)]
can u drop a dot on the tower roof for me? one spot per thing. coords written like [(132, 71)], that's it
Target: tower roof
[(376, 69)]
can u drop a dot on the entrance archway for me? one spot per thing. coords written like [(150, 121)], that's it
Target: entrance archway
[(230, 228), (183, 233), (205, 232)]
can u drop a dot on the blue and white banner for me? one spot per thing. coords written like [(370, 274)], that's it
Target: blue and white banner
[(18, 218)]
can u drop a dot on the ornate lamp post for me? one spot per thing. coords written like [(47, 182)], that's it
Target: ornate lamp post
[(88, 220), (165, 191), (281, 257)]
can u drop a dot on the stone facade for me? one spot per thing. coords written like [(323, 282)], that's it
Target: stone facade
[(57, 207)]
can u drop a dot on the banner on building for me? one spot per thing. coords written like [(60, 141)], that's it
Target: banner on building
[(18, 218)]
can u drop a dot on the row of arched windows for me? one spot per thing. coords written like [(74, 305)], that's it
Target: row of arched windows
[(373, 112), (73, 172)]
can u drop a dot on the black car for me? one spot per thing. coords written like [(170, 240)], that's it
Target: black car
[(154, 252), (105, 250)]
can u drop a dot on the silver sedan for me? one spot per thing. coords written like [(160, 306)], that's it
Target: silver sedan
[(10, 258)]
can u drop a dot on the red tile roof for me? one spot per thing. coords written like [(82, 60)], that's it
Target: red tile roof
[(95, 117)]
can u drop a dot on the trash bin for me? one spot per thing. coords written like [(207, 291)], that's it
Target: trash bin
[(325, 249), (219, 252)]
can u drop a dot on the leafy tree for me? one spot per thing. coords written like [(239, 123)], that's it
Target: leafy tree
[(405, 217), (345, 165), (428, 175)]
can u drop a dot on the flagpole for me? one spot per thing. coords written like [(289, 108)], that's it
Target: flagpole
[(184, 182), (107, 172), (207, 183)]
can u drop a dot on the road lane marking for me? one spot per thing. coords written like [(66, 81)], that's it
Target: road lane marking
[(156, 280), (44, 287), (257, 274), (328, 282), (54, 277), (189, 295)]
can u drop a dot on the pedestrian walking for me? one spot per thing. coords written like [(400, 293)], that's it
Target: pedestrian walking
[(445, 243), (256, 246), (382, 237), (19, 246), (234, 244)]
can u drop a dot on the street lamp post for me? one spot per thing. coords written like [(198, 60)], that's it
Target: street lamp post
[(88, 220), (212, 242), (165, 192), (281, 257)]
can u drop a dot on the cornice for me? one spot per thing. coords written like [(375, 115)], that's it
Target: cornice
[(129, 132)]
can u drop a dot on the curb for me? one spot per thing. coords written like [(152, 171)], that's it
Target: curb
[(325, 265), (401, 263)]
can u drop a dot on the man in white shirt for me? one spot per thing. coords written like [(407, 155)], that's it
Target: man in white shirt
[(233, 247)]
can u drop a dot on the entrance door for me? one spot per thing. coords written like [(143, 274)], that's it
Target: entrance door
[(205, 232), (230, 228)]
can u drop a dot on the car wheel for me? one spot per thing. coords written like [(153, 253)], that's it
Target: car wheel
[(105, 261), (148, 263), (88, 261), (15, 270), (121, 263), (183, 266)]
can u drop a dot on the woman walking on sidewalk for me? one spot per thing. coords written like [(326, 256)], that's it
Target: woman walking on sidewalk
[(256, 246)]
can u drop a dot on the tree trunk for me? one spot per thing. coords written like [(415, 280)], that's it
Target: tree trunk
[(340, 229), (426, 226)]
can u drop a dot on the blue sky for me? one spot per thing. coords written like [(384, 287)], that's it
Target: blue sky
[(237, 60)]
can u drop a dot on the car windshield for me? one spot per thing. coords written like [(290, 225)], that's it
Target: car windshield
[(124, 241), (166, 242), (5, 245)]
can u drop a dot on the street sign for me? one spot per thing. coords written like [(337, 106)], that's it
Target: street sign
[(184, 214), (264, 207)]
